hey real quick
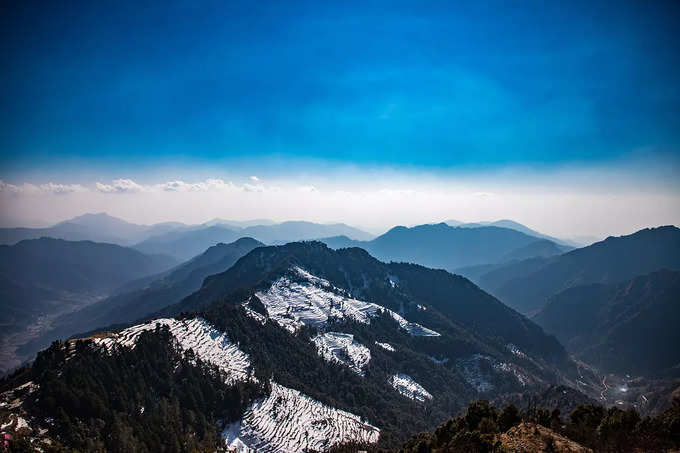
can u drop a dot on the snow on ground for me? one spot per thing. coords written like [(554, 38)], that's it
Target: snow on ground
[(439, 361), (515, 350), (288, 421), (15, 423), (341, 348), (310, 300), (208, 343), (471, 370), (478, 369), (255, 315), (386, 346), (405, 385)]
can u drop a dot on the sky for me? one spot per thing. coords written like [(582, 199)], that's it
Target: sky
[(561, 115)]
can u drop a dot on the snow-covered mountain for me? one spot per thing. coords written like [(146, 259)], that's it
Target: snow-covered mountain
[(312, 347)]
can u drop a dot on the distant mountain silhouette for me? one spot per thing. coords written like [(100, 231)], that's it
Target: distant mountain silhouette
[(540, 248), (526, 285), (445, 247), (99, 227), (186, 244), (629, 327), (511, 224), (299, 230), (238, 223)]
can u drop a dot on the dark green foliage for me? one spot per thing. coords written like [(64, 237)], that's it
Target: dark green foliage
[(603, 430), (146, 399), (508, 417)]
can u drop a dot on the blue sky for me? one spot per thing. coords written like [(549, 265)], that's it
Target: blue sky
[(357, 111), (425, 84)]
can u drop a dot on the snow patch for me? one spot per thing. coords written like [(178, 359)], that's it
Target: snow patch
[(288, 421), (515, 350), (479, 368), (293, 302), (208, 343), (439, 361), (405, 385), (341, 348), (470, 369), (386, 346)]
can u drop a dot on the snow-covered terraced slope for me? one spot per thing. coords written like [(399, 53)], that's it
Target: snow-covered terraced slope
[(310, 300), (208, 343), (288, 421), (341, 348), (405, 385)]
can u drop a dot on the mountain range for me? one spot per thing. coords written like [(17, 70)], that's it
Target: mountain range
[(526, 285), (446, 247), (175, 238), (320, 346), (185, 244), (314, 345)]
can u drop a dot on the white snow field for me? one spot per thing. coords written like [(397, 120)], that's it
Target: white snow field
[(341, 348), (208, 343), (310, 300), (405, 385), (288, 421), (386, 346)]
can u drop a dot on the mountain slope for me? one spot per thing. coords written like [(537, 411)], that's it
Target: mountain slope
[(81, 266), (399, 287), (526, 288), (163, 290), (41, 279), (629, 327)]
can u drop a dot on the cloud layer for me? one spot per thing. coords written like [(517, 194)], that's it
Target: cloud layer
[(565, 203)]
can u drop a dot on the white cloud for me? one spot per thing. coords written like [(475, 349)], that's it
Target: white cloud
[(51, 187), (204, 186), (47, 188), (119, 186), (255, 179)]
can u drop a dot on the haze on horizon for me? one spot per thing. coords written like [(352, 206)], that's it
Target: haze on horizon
[(565, 117)]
